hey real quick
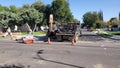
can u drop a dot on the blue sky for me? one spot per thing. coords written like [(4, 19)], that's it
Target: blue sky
[(110, 8)]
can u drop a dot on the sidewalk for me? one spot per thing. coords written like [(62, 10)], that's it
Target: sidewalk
[(115, 37)]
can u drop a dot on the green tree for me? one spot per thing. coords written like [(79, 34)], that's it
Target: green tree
[(76, 20), (46, 14), (38, 6), (8, 19), (26, 6), (61, 11), (1, 8), (90, 18), (45, 9), (98, 24), (6, 8), (114, 22), (32, 17), (100, 14), (4, 18), (13, 9), (14, 19)]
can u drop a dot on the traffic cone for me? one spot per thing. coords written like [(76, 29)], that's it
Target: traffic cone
[(73, 42), (49, 41)]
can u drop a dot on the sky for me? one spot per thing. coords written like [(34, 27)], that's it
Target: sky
[(110, 8)]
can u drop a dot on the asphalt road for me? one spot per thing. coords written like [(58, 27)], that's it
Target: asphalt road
[(91, 53)]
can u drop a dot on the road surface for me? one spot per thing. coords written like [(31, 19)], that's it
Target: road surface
[(85, 54)]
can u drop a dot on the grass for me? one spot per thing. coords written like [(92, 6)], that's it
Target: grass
[(104, 34), (35, 33), (115, 33), (109, 34), (25, 33), (7, 37)]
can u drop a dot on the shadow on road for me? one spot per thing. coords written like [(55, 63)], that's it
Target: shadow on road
[(52, 61), (14, 66), (40, 38)]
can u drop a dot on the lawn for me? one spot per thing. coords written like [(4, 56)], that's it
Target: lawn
[(109, 34), (115, 33), (25, 33), (35, 33), (104, 34)]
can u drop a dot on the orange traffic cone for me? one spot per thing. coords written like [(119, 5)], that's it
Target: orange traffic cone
[(49, 41), (73, 42)]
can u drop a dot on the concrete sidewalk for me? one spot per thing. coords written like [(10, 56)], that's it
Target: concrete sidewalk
[(115, 37)]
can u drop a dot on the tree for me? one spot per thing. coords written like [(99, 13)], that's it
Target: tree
[(26, 6), (6, 8), (45, 9), (90, 18), (37, 13), (47, 12), (38, 6), (8, 19), (109, 23), (1, 8), (13, 9), (61, 11), (9, 16), (98, 24), (4, 18), (14, 19), (100, 14), (32, 17), (76, 20), (114, 22)]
